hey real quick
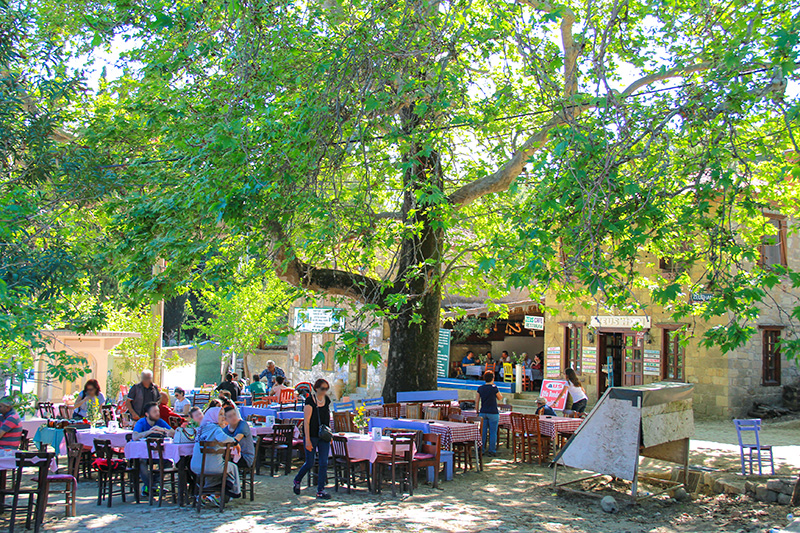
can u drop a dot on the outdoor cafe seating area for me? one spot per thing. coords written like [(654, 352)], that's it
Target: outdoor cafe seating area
[(374, 444)]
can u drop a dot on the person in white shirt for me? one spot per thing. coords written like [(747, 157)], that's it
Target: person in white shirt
[(182, 405), (575, 391), (279, 386)]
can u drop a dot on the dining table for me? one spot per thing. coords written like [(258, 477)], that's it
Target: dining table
[(47, 436), (365, 447), (118, 437), (551, 426), (179, 454)]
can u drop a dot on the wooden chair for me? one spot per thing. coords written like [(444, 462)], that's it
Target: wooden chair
[(428, 455), (444, 408), (283, 437), (24, 441), (400, 457), (344, 406), (345, 469), (343, 422), (536, 445), (46, 410), (372, 402), (37, 493), (414, 411), (65, 411), (432, 413), (262, 405), (213, 448), (70, 478), (391, 410), (462, 451), (518, 436), (109, 470), (457, 418), (125, 420), (287, 399), (70, 438), (157, 467), (200, 399), (247, 473)]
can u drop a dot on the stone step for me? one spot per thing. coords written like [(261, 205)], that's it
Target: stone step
[(521, 402)]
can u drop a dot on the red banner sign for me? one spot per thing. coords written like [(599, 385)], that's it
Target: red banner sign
[(551, 388)]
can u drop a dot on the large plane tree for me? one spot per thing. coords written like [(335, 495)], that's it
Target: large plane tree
[(382, 151)]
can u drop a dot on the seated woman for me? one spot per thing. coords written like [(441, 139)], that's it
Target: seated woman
[(210, 431), (90, 395)]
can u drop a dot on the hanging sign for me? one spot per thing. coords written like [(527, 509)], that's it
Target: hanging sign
[(701, 297), (551, 388), (651, 363), (589, 364), (319, 319), (534, 322), (553, 362), (443, 353), (623, 322)]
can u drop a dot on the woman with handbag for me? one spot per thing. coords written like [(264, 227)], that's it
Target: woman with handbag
[(316, 420)]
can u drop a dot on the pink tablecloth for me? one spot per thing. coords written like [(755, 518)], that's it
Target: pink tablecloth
[(117, 438), (363, 447), (32, 424), (551, 425), (9, 462), (172, 451)]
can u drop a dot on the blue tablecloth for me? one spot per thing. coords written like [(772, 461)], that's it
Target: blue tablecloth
[(260, 411), (283, 415), (51, 437), (399, 423)]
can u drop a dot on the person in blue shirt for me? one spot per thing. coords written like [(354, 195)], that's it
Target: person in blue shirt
[(271, 372), (150, 425), (486, 400), (240, 430), (468, 360), (542, 408)]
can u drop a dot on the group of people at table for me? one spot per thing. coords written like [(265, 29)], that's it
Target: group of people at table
[(532, 364), (221, 422)]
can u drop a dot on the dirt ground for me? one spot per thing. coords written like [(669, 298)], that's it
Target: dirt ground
[(506, 497)]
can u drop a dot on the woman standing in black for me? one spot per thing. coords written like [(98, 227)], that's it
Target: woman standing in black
[(316, 412)]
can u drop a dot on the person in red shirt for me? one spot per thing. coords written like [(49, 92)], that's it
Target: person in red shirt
[(164, 409)]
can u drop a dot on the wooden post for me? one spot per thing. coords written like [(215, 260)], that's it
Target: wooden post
[(157, 320)]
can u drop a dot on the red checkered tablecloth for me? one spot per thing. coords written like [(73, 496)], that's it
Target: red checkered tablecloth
[(505, 418), (552, 425), (451, 432)]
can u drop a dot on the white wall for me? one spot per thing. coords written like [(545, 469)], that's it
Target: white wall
[(531, 345)]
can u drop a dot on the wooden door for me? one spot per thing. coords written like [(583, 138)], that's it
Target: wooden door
[(633, 373), (610, 345)]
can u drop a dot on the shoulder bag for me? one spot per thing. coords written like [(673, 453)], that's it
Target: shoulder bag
[(325, 433)]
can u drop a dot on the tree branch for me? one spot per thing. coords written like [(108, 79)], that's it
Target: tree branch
[(567, 41), (292, 270), (676, 72)]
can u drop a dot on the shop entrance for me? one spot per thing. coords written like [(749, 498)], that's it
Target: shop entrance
[(625, 352)]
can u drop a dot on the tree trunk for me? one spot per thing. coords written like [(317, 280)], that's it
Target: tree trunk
[(414, 333), (412, 349)]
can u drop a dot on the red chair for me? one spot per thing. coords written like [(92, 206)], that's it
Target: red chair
[(288, 397)]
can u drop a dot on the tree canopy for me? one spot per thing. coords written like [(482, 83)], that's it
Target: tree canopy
[(382, 151)]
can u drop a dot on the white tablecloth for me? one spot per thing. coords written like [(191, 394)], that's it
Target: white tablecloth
[(138, 450), (117, 438), (363, 447), (9, 462)]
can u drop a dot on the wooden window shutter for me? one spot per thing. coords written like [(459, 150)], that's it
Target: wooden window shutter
[(306, 357), (330, 352)]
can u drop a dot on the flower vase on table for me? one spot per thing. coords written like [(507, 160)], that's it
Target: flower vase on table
[(93, 414), (361, 420)]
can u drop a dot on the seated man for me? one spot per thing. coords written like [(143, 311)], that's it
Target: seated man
[(10, 428), (230, 387), (150, 425), (542, 408), (240, 430), (164, 412), (468, 360), (256, 387)]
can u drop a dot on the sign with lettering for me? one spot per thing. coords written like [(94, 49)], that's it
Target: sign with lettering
[(701, 297), (534, 322), (553, 362), (551, 388), (589, 355), (622, 322), (443, 353), (319, 319), (651, 363)]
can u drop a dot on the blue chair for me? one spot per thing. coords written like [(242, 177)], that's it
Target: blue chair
[(371, 402), (344, 406), (754, 425)]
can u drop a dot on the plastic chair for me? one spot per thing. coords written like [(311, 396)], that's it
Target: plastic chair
[(508, 373), (754, 425)]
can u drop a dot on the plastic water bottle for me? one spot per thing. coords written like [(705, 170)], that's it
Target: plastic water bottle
[(790, 517)]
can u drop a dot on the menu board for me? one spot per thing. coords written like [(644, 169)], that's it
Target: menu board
[(652, 363), (553, 362), (443, 353), (589, 364), (319, 319)]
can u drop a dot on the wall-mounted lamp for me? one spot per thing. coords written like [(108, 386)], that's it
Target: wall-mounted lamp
[(590, 336), (648, 339)]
